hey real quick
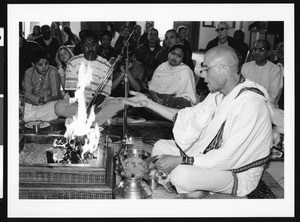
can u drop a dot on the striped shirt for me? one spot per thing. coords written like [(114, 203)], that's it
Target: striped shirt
[(99, 69)]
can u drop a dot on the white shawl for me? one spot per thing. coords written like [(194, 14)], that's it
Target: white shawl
[(178, 80)]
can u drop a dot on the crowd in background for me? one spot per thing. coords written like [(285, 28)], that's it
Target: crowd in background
[(152, 64)]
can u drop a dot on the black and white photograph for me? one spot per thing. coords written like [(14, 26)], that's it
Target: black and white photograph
[(119, 110)]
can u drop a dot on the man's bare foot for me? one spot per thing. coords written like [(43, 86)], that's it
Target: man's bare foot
[(193, 195)]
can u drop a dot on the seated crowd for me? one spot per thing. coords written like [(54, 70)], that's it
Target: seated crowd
[(164, 81)]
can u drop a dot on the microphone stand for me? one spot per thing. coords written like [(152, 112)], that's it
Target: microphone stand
[(126, 86), (126, 143)]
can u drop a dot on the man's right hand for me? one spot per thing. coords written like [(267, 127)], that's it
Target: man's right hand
[(139, 100)]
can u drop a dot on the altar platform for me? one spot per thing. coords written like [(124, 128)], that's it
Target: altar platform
[(146, 133)]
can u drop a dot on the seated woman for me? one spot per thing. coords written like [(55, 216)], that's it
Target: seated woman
[(173, 82), (41, 88), (63, 55), (124, 35), (135, 77), (105, 50)]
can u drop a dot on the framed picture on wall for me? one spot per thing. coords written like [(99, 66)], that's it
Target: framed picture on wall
[(208, 24)]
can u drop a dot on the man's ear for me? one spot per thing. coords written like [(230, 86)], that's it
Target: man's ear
[(226, 70), (32, 64)]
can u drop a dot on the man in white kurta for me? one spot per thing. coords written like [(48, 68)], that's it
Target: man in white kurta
[(264, 72), (228, 130)]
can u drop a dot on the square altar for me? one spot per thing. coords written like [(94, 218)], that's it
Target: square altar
[(39, 179)]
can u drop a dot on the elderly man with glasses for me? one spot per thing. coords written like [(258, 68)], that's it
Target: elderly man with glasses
[(264, 72), (221, 144), (222, 37)]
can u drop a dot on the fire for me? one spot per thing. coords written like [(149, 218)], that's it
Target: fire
[(81, 126)]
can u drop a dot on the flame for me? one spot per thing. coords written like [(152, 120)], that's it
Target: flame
[(82, 124)]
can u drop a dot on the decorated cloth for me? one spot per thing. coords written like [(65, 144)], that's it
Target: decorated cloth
[(269, 76), (246, 137), (99, 69), (178, 80)]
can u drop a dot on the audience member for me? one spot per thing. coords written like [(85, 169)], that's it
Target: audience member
[(124, 35), (114, 33), (63, 55), (41, 88), (243, 48), (99, 68), (143, 38), (48, 43), (173, 82), (136, 33), (36, 32), (105, 50), (146, 52), (57, 33), (224, 141), (171, 38), (72, 39), (264, 72), (77, 49), (221, 39), (182, 39), (224, 39), (135, 76), (26, 47)]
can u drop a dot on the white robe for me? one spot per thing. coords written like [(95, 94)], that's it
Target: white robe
[(247, 134), (269, 76)]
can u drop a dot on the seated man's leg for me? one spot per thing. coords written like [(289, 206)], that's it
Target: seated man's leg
[(109, 108), (64, 109), (188, 179), (44, 112)]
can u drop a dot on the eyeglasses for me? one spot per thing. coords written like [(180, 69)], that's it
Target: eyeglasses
[(220, 29), (263, 49), (204, 69)]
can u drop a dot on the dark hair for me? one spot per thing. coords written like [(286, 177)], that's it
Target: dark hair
[(45, 27), (89, 34), (123, 27), (39, 28), (181, 28), (81, 34), (153, 29), (178, 46), (241, 33), (67, 29), (136, 27), (105, 32), (172, 30), (38, 54)]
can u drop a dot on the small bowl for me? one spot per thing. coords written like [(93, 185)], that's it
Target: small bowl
[(143, 154)]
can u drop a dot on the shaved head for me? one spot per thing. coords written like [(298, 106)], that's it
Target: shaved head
[(221, 73), (223, 55)]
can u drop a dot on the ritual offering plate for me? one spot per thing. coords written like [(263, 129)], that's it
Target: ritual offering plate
[(41, 123), (135, 119)]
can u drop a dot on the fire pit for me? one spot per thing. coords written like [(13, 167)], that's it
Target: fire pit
[(39, 179)]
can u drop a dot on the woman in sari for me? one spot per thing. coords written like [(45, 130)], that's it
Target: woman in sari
[(173, 82)]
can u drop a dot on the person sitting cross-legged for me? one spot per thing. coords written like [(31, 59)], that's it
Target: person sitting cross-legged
[(41, 86), (105, 107), (221, 144)]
